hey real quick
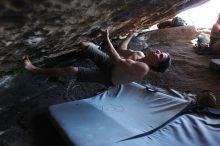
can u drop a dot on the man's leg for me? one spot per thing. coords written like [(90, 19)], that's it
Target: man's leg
[(82, 74), (93, 75), (55, 72), (93, 52)]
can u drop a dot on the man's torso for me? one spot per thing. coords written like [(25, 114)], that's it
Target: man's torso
[(130, 54), (120, 75)]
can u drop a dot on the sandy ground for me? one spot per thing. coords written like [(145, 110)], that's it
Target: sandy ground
[(26, 97), (189, 71)]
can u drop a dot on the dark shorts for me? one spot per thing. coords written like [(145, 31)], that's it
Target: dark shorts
[(102, 74)]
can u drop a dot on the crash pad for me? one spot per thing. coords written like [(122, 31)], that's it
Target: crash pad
[(215, 65), (122, 115)]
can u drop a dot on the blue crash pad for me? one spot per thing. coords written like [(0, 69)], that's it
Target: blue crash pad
[(188, 130), (122, 115), (215, 65)]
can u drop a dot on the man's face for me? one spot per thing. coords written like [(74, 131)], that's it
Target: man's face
[(157, 57)]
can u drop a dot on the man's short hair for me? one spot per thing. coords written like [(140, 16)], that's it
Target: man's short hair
[(162, 66)]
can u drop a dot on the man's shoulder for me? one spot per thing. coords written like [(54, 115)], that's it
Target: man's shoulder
[(146, 70), (143, 68)]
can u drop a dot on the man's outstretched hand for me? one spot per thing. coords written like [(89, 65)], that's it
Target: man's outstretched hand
[(134, 32), (105, 32)]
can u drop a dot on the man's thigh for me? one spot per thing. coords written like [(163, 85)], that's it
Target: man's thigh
[(99, 57)]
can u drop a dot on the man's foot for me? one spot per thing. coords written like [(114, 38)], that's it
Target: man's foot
[(28, 65)]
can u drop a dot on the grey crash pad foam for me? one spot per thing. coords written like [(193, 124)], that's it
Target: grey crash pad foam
[(215, 65), (116, 116)]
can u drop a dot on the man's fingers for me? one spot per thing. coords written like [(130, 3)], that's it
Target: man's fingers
[(107, 32)]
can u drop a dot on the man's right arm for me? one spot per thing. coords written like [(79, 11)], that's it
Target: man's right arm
[(111, 50)]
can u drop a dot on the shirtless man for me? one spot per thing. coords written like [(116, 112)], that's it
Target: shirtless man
[(215, 37), (118, 67)]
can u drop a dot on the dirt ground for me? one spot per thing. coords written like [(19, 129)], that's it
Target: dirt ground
[(25, 97), (189, 71)]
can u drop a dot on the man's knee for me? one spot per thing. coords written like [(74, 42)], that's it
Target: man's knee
[(71, 70), (86, 45)]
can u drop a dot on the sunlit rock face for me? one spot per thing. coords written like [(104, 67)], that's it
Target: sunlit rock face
[(48, 28)]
